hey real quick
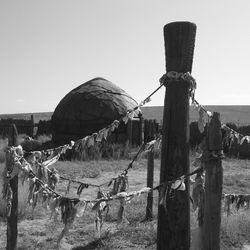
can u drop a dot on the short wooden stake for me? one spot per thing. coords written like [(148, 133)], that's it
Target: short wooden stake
[(12, 219), (121, 212), (213, 186)]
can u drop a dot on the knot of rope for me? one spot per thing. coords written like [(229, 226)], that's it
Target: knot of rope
[(177, 76)]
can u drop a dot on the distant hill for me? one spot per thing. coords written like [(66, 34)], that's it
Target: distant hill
[(37, 116), (240, 115)]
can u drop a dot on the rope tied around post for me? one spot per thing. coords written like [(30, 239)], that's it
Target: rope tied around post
[(179, 76)]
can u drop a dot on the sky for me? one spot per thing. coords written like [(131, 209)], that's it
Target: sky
[(49, 47)]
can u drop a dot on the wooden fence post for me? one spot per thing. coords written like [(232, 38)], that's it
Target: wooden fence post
[(146, 125), (130, 132), (213, 186), (174, 222), (12, 219), (141, 129), (121, 218), (150, 183), (32, 126)]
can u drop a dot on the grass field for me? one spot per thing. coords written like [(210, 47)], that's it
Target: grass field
[(42, 233), (240, 115)]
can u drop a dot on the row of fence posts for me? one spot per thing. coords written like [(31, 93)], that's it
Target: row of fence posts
[(24, 126), (174, 225), (140, 130)]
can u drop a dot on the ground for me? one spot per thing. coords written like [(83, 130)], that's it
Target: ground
[(42, 233)]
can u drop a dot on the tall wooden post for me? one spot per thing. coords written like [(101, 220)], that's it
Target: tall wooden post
[(174, 221), (213, 186), (12, 219), (150, 183)]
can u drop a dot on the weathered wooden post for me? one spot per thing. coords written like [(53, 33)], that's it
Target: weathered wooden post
[(213, 186), (123, 188), (130, 132), (174, 221), (150, 183), (141, 129), (32, 126), (146, 131), (149, 130), (12, 219), (155, 128)]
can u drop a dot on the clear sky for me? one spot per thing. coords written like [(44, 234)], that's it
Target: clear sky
[(49, 47)]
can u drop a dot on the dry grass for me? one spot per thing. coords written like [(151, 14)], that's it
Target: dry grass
[(42, 232), (104, 150), (83, 231), (236, 176), (235, 230)]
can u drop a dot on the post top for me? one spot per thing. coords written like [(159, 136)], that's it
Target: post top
[(179, 46), (180, 23)]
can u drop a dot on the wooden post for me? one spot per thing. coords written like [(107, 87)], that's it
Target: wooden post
[(141, 129), (174, 222), (213, 186), (121, 218), (32, 126), (155, 128), (130, 132), (12, 219), (146, 131), (150, 183), (151, 130), (121, 212)]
